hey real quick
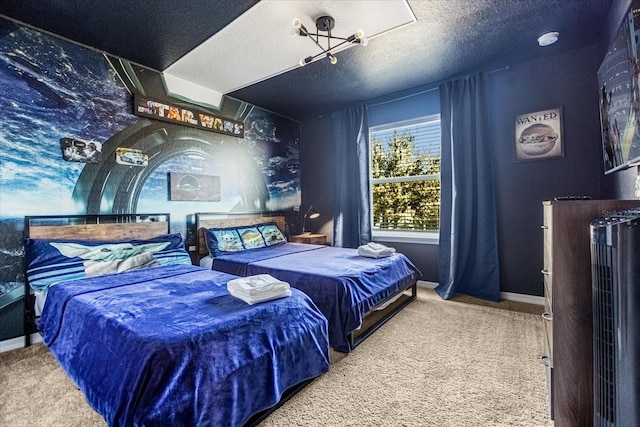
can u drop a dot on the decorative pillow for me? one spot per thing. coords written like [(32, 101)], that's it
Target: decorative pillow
[(271, 234), (251, 238), (221, 240), (53, 261)]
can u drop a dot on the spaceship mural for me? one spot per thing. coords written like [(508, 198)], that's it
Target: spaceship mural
[(70, 143)]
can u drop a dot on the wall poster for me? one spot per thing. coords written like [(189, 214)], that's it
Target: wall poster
[(187, 186), (538, 135)]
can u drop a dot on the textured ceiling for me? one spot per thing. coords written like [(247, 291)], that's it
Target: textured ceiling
[(450, 38), (153, 33), (226, 62)]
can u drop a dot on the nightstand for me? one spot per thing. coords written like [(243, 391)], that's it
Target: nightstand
[(314, 239)]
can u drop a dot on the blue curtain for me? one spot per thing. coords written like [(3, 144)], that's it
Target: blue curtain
[(351, 203), (468, 253)]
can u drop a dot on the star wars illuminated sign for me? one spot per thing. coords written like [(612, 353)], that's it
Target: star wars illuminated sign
[(192, 117)]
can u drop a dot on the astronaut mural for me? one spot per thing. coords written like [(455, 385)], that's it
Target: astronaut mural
[(70, 143)]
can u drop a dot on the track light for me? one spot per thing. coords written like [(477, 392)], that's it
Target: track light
[(325, 24)]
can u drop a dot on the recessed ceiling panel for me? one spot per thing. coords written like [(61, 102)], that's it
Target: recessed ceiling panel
[(259, 44)]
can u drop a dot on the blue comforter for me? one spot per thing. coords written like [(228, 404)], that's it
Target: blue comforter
[(343, 285), (169, 346)]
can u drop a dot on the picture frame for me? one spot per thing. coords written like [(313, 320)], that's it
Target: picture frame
[(538, 135), (76, 150), (193, 188), (131, 157)]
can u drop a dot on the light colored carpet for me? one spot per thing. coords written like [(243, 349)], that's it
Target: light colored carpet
[(437, 363)]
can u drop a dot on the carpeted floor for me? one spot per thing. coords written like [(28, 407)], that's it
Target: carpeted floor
[(437, 363)]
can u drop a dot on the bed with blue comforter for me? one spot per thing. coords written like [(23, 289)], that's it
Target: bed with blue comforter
[(169, 346), (345, 286), (152, 340)]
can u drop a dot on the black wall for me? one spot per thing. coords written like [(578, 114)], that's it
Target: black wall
[(316, 164), (568, 80)]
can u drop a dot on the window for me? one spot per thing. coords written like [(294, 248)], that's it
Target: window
[(405, 178)]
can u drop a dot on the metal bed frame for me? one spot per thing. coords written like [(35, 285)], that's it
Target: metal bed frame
[(355, 337), (393, 309)]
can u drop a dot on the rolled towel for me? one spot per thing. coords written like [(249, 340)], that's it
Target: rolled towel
[(375, 250), (258, 288)]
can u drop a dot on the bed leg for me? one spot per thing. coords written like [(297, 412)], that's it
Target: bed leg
[(26, 322)]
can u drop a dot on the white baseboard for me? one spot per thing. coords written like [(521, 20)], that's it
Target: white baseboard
[(529, 299), (510, 296), (425, 284), (18, 342)]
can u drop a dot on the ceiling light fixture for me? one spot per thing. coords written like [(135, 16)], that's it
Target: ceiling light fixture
[(325, 24), (548, 38)]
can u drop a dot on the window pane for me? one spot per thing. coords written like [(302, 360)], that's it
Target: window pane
[(399, 151), (406, 151), (411, 205)]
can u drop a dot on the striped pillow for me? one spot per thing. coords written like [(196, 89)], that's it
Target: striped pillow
[(54, 261)]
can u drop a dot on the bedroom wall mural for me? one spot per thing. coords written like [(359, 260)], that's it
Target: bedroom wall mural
[(71, 144)]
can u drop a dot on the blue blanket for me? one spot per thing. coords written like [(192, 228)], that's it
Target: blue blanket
[(169, 346), (343, 285)]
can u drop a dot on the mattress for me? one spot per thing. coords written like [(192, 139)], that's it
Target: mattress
[(344, 285), (170, 346)]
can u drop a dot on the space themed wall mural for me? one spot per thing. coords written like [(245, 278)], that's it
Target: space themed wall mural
[(72, 143)]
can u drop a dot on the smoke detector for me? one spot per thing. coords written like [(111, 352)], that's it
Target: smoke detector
[(548, 38)]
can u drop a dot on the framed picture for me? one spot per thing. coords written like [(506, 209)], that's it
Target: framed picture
[(190, 187), (131, 157), (75, 150), (538, 135)]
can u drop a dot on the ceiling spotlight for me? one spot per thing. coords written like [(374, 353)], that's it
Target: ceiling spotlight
[(548, 38), (325, 24)]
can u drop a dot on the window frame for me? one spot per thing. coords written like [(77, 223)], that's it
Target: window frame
[(401, 236)]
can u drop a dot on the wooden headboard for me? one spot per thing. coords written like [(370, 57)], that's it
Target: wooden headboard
[(223, 220), (97, 227), (87, 227)]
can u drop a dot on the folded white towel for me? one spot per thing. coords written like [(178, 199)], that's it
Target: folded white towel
[(258, 288), (375, 250), (257, 285)]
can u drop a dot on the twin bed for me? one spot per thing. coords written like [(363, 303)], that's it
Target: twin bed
[(152, 340), (345, 287)]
